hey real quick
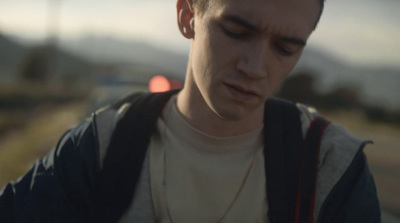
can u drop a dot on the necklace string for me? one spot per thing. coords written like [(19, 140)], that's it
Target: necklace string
[(164, 182)]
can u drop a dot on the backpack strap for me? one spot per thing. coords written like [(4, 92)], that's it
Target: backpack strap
[(281, 157), (290, 162), (308, 171), (126, 152), (129, 142)]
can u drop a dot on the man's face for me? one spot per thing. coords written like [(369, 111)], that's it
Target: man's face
[(242, 50)]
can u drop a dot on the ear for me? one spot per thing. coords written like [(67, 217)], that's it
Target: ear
[(185, 18)]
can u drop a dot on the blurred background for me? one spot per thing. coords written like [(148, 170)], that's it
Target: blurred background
[(60, 60)]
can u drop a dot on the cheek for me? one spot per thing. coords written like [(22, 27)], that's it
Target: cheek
[(216, 56), (222, 48)]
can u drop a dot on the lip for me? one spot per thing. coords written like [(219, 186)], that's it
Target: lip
[(241, 93)]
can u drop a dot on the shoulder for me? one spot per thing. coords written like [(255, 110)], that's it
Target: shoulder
[(346, 190), (343, 175), (83, 143), (338, 150), (106, 119), (136, 109), (336, 142), (338, 147), (307, 116)]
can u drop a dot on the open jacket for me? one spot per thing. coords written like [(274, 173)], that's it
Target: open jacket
[(63, 185)]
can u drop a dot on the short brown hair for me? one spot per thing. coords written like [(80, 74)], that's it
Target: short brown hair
[(201, 6)]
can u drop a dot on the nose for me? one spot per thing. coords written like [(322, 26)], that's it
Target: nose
[(253, 61)]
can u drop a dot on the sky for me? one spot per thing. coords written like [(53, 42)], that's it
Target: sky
[(358, 31)]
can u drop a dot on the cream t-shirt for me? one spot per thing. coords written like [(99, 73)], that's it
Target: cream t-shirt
[(196, 177)]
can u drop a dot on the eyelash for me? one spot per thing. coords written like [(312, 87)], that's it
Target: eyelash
[(233, 34), (283, 51)]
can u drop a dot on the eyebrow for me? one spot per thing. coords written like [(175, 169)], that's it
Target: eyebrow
[(242, 22), (294, 40)]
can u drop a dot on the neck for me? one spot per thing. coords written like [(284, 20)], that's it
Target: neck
[(195, 110)]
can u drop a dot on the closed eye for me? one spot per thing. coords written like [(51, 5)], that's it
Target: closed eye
[(283, 50), (234, 35)]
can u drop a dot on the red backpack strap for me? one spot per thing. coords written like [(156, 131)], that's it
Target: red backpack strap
[(308, 171)]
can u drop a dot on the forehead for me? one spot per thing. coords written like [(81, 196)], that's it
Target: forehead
[(297, 17)]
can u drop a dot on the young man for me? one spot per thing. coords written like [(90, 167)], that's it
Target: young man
[(210, 152)]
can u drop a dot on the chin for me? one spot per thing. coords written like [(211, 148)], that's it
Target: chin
[(231, 114), (235, 111)]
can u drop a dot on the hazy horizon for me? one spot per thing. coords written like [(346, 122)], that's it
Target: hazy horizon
[(363, 32)]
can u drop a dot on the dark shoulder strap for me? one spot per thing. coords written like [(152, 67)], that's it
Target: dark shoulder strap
[(308, 171), (290, 162), (282, 148), (126, 153)]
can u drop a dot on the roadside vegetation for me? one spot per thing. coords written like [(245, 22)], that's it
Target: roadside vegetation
[(32, 118)]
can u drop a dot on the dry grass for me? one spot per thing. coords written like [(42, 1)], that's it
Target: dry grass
[(20, 148)]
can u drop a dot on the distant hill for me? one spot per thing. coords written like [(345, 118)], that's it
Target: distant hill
[(10, 55), (65, 65), (116, 51), (377, 85)]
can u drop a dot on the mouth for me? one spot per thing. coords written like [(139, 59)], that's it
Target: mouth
[(242, 93)]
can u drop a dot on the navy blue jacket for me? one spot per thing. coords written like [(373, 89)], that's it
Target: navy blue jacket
[(62, 186)]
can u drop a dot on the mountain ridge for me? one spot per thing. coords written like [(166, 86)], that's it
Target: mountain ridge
[(377, 84)]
